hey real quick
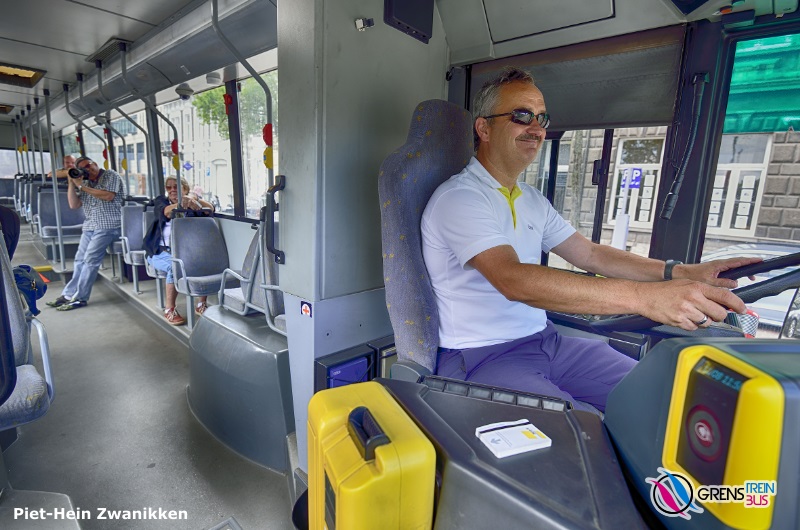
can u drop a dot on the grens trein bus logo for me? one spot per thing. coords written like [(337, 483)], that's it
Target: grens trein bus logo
[(672, 495)]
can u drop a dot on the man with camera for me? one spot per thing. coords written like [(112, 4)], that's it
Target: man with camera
[(62, 173), (100, 193)]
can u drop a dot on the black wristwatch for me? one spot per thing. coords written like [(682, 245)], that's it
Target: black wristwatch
[(670, 264)]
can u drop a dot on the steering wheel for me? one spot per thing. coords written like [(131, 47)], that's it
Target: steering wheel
[(748, 294)]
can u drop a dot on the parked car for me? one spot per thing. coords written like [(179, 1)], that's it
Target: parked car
[(792, 323), (771, 309)]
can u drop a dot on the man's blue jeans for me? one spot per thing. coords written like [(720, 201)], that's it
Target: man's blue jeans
[(91, 251)]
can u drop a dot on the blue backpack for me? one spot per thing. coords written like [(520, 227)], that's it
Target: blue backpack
[(30, 286)]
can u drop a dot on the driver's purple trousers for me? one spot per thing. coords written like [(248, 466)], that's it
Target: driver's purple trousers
[(544, 363)]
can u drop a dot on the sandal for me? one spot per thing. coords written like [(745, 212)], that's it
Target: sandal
[(200, 308)]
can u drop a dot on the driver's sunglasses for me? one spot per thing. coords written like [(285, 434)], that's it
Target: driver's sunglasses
[(524, 117)]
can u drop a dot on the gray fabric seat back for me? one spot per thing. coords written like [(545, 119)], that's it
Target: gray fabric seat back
[(47, 210), (238, 298), (34, 188), (438, 146), (198, 242), (20, 331), (132, 226), (32, 394)]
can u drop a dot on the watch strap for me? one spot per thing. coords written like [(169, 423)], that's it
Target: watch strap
[(668, 266)]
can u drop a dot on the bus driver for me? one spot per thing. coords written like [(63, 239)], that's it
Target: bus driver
[(483, 233)]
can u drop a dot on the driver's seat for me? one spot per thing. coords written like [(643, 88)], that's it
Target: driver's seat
[(439, 145)]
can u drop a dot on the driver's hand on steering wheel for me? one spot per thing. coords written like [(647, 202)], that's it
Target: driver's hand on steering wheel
[(709, 272), (687, 304)]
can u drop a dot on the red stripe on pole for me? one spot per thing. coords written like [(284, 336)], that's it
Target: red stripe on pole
[(267, 133)]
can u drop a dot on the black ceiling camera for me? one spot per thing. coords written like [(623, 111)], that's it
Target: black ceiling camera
[(78, 173)]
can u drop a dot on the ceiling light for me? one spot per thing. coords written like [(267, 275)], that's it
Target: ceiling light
[(23, 76)]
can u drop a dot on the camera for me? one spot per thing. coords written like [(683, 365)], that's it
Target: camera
[(184, 91), (78, 173)]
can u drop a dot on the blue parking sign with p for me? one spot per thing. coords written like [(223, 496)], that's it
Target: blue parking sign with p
[(634, 177)]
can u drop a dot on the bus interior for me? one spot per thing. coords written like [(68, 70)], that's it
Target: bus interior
[(674, 134)]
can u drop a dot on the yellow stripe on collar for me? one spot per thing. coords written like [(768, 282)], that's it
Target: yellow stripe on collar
[(511, 196)]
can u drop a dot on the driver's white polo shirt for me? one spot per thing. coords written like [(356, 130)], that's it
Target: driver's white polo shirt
[(466, 215)]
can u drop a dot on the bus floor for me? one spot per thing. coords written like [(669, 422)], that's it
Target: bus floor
[(119, 434)]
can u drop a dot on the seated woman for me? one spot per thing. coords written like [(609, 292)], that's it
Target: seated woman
[(156, 241)]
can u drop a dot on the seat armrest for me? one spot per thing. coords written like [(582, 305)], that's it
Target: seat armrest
[(408, 371), (125, 245), (225, 273), (44, 347), (181, 267), (270, 319)]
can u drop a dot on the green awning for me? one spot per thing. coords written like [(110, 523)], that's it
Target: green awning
[(765, 86)]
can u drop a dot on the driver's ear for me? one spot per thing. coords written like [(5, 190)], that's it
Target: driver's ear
[(482, 128)]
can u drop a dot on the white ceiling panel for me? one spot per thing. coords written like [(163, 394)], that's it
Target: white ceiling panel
[(511, 19), (144, 11), (58, 35)]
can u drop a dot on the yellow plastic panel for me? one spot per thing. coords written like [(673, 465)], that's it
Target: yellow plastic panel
[(392, 491), (755, 446)]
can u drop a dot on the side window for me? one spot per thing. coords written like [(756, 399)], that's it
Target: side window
[(739, 184), (203, 148), (94, 146), (133, 161), (256, 154), (636, 180), (756, 190), (69, 139)]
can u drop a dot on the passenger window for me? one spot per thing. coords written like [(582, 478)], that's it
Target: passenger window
[(94, 147), (252, 118), (69, 139), (136, 156), (205, 153)]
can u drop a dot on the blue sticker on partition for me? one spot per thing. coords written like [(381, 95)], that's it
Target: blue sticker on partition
[(305, 309)]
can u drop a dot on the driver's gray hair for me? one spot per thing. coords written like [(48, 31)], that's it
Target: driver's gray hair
[(486, 99)]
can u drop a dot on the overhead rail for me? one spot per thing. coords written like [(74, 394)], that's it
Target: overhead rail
[(123, 48), (150, 183), (56, 202), (267, 133)]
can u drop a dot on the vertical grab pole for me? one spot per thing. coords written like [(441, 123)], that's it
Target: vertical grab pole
[(99, 65), (123, 48), (31, 139), (79, 77), (41, 141), (16, 145), (26, 143), (21, 135), (267, 133), (56, 202), (29, 142)]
